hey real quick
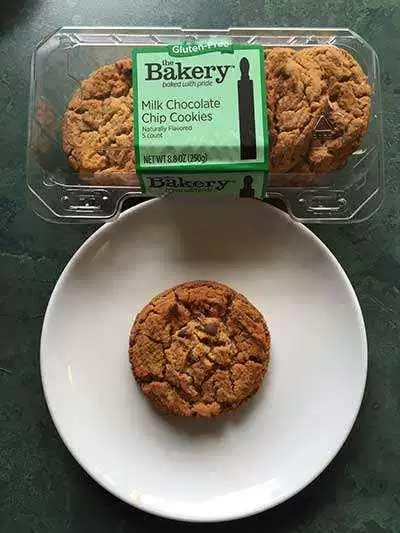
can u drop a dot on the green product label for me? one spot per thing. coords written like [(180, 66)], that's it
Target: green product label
[(200, 108)]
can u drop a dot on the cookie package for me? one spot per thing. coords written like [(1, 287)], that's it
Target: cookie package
[(288, 114)]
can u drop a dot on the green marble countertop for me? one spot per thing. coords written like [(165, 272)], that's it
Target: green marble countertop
[(42, 489)]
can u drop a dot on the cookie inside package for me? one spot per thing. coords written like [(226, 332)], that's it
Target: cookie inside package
[(309, 133)]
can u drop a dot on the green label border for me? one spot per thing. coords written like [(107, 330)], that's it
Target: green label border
[(222, 167)]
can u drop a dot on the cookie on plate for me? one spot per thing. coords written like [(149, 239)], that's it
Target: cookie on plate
[(199, 349)]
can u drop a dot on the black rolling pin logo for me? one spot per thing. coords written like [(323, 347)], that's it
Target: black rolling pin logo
[(248, 149), (247, 190)]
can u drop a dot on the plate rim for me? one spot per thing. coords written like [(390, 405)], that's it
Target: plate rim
[(162, 512)]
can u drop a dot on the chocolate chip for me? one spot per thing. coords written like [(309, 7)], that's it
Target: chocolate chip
[(211, 329)]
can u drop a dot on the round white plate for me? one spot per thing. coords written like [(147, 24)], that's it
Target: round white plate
[(219, 469)]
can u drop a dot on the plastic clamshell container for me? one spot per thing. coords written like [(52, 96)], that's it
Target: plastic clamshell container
[(69, 55)]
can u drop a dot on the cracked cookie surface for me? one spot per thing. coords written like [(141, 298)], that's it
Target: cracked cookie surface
[(347, 108), (199, 349), (296, 99), (97, 127)]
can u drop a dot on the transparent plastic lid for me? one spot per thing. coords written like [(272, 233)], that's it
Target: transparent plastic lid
[(325, 122)]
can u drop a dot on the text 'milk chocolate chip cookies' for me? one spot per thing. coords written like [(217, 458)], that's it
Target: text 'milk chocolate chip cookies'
[(304, 87), (199, 349)]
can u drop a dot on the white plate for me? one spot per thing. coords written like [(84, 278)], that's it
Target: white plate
[(204, 469)]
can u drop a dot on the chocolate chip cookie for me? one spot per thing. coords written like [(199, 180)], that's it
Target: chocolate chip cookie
[(97, 128), (199, 349), (296, 100), (346, 113)]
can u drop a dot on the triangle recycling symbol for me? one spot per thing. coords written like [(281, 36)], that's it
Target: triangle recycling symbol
[(323, 124)]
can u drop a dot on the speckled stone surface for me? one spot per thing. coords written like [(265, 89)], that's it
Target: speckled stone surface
[(42, 489)]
